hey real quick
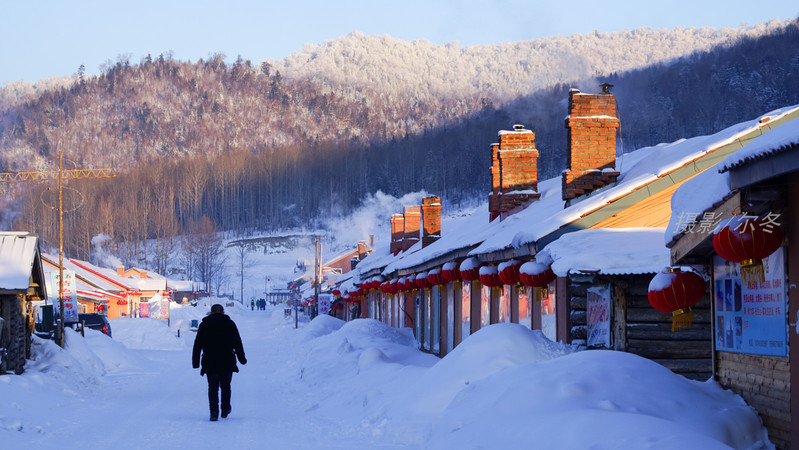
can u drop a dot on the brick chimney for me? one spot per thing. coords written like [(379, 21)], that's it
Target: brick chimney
[(397, 233), (514, 172), (120, 271), (362, 250), (591, 142), (413, 223), (431, 220)]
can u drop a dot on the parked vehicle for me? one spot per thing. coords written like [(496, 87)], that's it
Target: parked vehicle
[(96, 322)]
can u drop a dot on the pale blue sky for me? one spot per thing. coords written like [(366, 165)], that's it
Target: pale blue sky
[(43, 38)]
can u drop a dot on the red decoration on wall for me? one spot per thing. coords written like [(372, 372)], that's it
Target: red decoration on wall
[(747, 240), (451, 272), (434, 277), (402, 284), (489, 276), (509, 272), (536, 274), (470, 269), (675, 291), (421, 281)]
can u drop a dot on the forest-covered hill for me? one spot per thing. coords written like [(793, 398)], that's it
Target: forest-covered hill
[(287, 143)]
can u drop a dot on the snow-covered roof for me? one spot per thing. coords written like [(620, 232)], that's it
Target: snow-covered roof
[(132, 282), (638, 168), (17, 256), (777, 140), (610, 251), (108, 280), (94, 280), (474, 235), (710, 187), (181, 285)]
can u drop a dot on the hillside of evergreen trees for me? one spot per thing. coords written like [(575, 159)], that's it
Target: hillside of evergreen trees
[(282, 144)]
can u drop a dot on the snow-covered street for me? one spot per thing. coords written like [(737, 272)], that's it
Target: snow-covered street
[(358, 385)]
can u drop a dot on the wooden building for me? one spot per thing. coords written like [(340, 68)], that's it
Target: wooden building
[(598, 191), (607, 273), (21, 283), (754, 308)]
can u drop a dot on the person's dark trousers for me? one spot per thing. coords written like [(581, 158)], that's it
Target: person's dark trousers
[(217, 381)]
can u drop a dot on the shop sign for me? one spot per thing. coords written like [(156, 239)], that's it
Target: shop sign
[(751, 318)]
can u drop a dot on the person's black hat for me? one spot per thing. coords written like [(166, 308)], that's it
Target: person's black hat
[(217, 308)]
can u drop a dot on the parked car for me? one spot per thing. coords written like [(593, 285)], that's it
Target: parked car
[(96, 322)]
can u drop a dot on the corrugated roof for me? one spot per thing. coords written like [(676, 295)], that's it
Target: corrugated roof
[(17, 255)]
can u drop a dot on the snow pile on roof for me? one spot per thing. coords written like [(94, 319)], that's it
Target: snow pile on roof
[(93, 279), (17, 254), (774, 141), (548, 214), (710, 187), (611, 251)]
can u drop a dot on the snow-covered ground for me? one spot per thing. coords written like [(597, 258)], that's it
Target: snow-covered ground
[(358, 385)]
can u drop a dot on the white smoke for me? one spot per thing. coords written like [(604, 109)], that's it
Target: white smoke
[(102, 256), (373, 217)]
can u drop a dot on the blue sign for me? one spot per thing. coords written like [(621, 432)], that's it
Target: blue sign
[(751, 318)]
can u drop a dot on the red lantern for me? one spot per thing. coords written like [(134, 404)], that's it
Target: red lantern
[(434, 277), (122, 302), (421, 281), (385, 287), (450, 271), (489, 276), (394, 285), (509, 272), (336, 292), (675, 291), (470, 269), (410, 283), (536, 274), (747, 240)]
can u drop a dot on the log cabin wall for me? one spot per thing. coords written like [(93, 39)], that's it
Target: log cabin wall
[(638, 328)]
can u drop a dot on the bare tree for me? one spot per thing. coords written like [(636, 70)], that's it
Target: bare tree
[(209, 258), (243, 250)]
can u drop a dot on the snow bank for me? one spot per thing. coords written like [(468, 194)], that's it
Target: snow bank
[(596, 399), (363, 385), (322, 325), (485, 353)]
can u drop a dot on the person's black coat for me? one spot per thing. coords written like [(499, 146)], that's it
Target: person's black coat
[(219, 341)]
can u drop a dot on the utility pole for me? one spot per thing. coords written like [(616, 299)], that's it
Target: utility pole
[(59, 175), (317, 276), (61, 340)]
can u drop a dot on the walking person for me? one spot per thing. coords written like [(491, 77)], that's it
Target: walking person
[(220, 344)]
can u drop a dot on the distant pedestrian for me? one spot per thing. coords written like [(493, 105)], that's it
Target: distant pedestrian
[(252, 304), (219, 342)]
